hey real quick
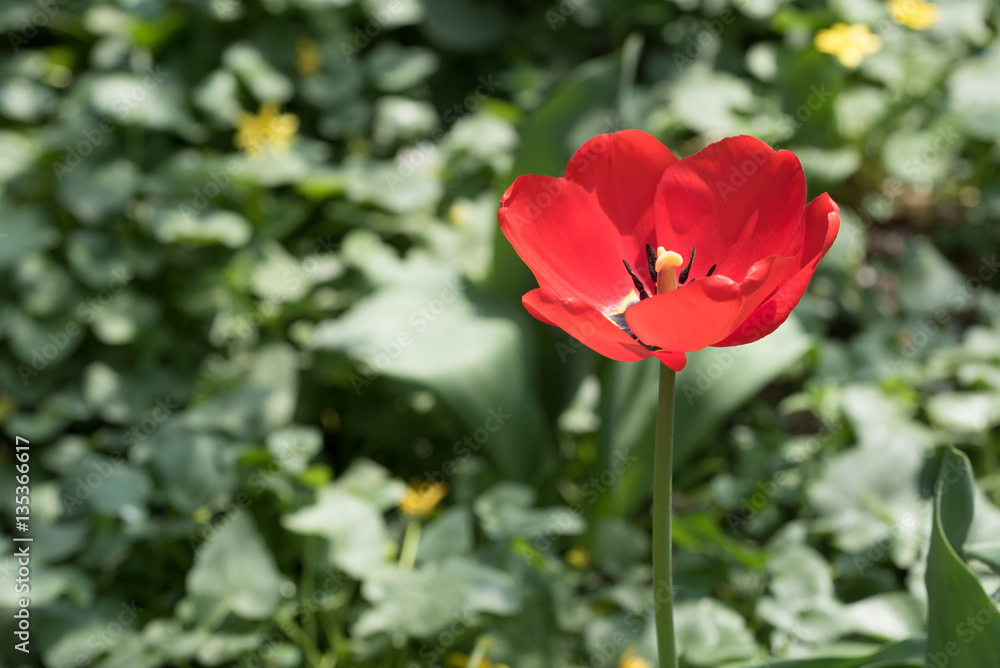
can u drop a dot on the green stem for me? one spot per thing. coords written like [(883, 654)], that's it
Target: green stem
[(662, 492), (479, 652), (308, 585), (291, 628), (411, 541)]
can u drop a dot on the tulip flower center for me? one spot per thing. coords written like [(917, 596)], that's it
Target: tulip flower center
[(661, 264), (664, 266)]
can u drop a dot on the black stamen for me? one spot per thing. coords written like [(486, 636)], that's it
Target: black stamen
[(710, 270), (619, 319), (684, 272), (651, 260), (640, 288)]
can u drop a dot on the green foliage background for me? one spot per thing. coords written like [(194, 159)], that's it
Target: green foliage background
[(227, 367)]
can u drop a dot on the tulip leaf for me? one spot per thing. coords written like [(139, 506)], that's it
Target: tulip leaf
[(428, 334), (905, 654), (963, 622)]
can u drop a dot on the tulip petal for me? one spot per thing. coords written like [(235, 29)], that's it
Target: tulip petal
[(822, 221), (565, 238), (690, 318), (763, 279), (676, 361), (623, 170), (583, 323), (736, 200)]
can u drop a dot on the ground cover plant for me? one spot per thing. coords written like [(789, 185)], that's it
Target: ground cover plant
[(263, 338)]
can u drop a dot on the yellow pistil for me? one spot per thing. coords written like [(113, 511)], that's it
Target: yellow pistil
[(666, 260), (849, 43), (915, 14)]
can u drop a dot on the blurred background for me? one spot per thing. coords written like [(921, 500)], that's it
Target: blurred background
[(284, 405)]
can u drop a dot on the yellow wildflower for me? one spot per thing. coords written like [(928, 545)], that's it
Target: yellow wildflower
[(307, 57), (578, 558), (456, 660), (421, 497), (630, 660), (849, 43), (269, 129), (915, 14)]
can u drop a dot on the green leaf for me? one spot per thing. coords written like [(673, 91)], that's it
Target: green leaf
[(709, 633), (266, 83), (708, 101), (23, 229), (987, 552), (196, 468), (235, 571), (293, 447), (962, 619), (894, 615), (449, 535), (505, 511), (464, 25), (348, 513), (906, 654), (975, 97), (420, 602)]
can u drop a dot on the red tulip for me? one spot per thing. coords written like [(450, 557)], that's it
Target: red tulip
[(736, 242)]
